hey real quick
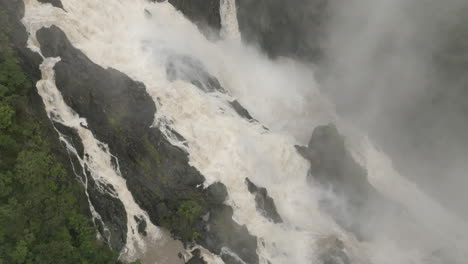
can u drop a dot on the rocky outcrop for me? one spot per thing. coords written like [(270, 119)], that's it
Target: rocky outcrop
[(333, 168), (56, 3), (186, 68), (113, 216), (204, 13), (28, 60), (241, 111), (196, 258), (222, 233), (264, 202), (189, 69), (120, 113), (291, 28)]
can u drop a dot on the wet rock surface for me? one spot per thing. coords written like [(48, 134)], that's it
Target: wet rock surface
[(240, 110), (186, 68), (28, 60), (204, 13), (56, 3), (196, 258), (333, 168), (284, 28), (112, 214), (225, 233), (264, 202), (120, 113), (71, 136)]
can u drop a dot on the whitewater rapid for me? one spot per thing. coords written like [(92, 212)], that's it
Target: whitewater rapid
[(282, 95)]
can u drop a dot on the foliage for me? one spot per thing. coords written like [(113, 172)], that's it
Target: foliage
[(182, 222), (41, 218)]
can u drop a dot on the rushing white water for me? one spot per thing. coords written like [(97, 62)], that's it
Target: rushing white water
[(97, 158), (224, 147), (229, 24)]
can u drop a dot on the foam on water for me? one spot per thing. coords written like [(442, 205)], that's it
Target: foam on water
[(223, 146)]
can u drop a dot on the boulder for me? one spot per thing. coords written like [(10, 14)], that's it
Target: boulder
[(186, 68), (332, 167), (264, 202), (56, 3)]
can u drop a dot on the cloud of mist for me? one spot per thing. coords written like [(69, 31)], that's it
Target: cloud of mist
[(378, 61), (391, 68)]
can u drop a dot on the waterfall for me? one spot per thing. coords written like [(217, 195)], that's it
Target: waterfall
[(229, 24), (98, 160), (283, 97)]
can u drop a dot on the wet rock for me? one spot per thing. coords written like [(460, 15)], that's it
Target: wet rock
[(204, 13), (141, 225), (120, 113), (223, 232), (217, 192), (240, 110), (28, 60), (196, 258), (333, 167), (284, 28), (185, 68), (56, 3), (72, 136), (264, 202), (112, 213), (228, 259)]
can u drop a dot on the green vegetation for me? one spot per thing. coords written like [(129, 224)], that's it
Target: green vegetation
[(182, 222), (42, 219)]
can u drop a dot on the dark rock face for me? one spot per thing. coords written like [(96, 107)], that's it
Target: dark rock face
[(240, 110), (228, 259), (113, 215), (56, 3), (333, 167), (284, 28), (29, 60), (225, 233), (197, 258), (217, 192), (202, 12), (120, 113), (72, 137), (185, 68), (265, 203)]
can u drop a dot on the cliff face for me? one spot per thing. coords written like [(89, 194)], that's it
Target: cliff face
[(120, 113), (284, 28), (204, 13), (44, 210)]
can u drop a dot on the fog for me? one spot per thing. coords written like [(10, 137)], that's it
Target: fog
[(395, 68)]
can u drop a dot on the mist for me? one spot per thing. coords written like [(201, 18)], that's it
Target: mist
[(376, 65), (395, 68)]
